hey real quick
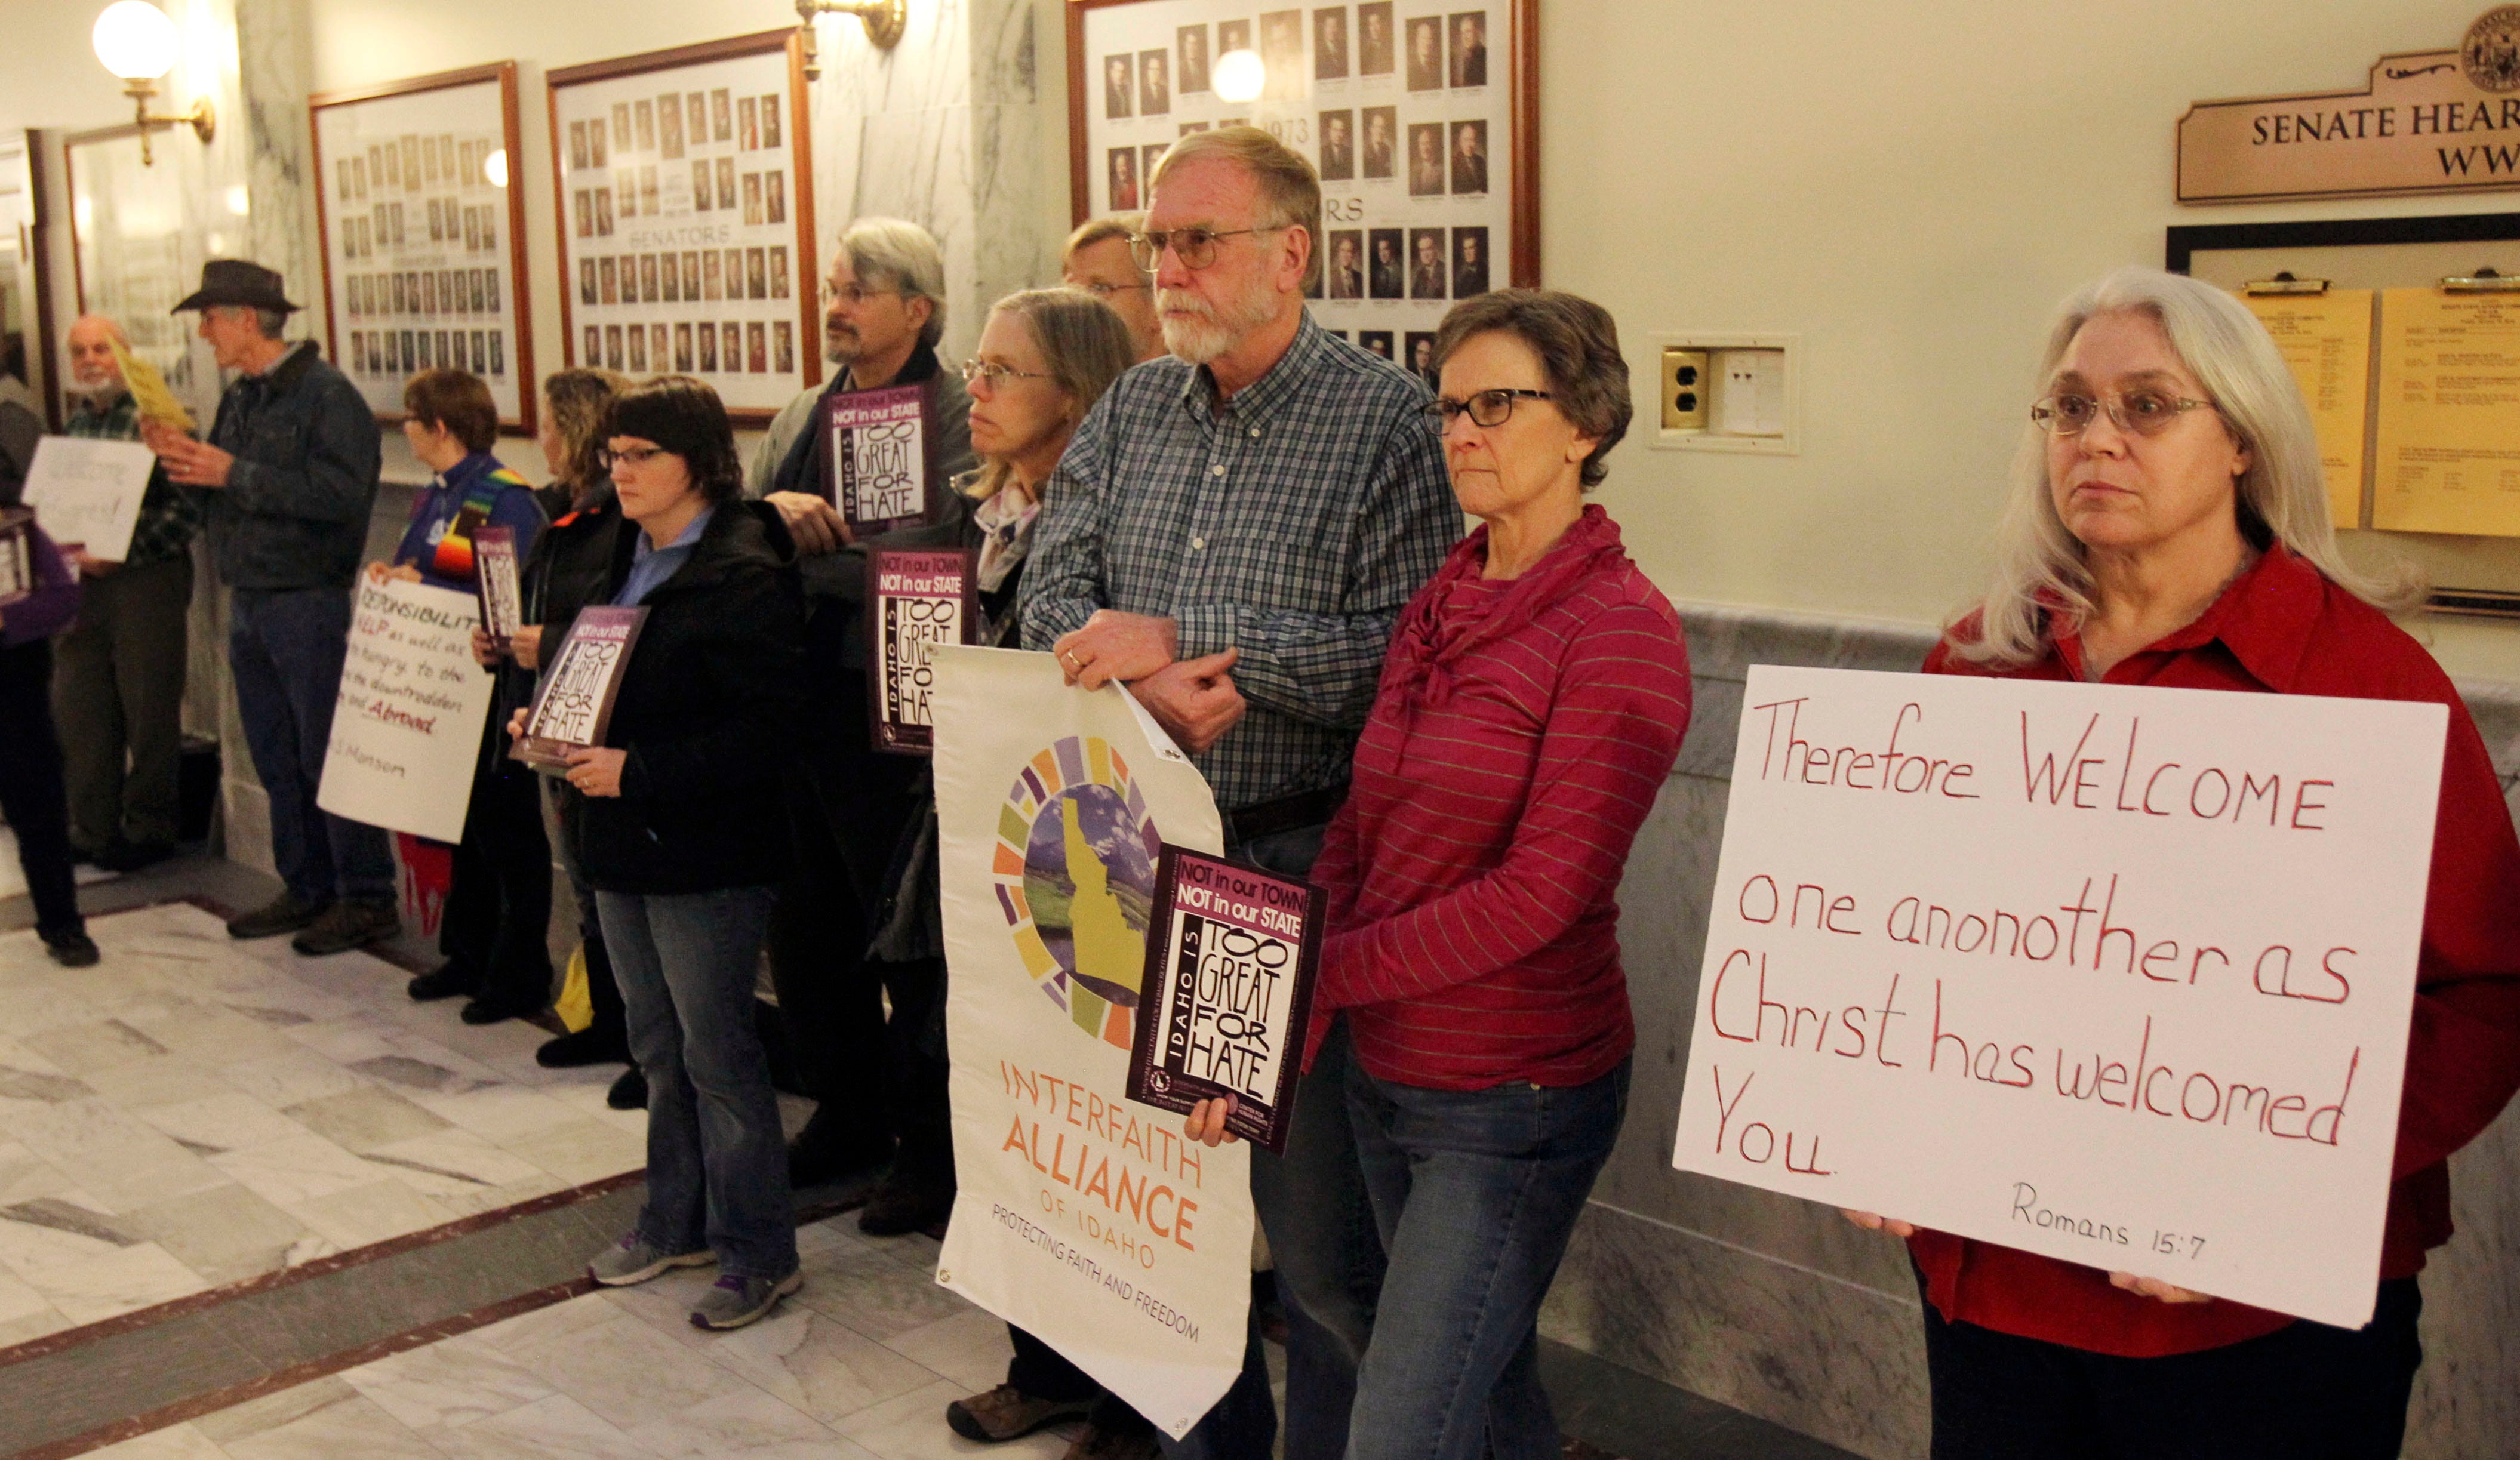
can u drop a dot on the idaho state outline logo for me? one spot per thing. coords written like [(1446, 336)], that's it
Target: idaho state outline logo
[(1074, 870)]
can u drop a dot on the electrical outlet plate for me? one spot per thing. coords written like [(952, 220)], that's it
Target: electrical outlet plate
[(1704, 347)]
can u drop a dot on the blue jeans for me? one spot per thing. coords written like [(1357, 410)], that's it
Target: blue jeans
[(1312, 1206), (1476, 1192), (285, 648), (717, 1161)]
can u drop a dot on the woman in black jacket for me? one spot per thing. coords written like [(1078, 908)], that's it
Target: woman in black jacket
[(677, 826)]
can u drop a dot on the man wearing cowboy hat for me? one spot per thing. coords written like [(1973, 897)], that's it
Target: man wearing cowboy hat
[(288, 475)]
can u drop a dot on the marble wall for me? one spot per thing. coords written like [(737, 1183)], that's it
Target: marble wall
[(1780, 1307)]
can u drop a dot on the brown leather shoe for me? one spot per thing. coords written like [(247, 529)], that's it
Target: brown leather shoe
[(351, 922), (1099, 1444), (1009, 1414)]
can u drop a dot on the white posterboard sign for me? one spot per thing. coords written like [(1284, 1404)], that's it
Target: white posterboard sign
[(88, 491), (407, 726), (1082, 1217), (2120, 976)]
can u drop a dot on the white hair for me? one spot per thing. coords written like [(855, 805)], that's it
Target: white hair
[(904, 256), (2282, 497)]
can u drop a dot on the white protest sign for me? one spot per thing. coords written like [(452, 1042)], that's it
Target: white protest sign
[(1082, 1217), (2120, 976), (407, 726), (88, 491)]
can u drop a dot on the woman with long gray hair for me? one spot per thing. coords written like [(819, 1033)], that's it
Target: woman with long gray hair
[(2169, 527)]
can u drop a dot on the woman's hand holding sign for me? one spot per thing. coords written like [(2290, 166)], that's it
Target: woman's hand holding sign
[(1205, 1122)]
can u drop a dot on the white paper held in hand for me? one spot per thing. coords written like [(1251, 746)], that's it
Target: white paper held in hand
[(87, 492)]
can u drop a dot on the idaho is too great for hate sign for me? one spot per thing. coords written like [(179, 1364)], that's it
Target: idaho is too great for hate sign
[(2121, 976)]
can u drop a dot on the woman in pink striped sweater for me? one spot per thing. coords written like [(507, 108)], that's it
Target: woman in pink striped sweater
[(1534, 700)]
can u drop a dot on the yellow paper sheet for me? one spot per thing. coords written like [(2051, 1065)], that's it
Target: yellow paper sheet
[(2449, 439), (2326, 339), (148, 389)]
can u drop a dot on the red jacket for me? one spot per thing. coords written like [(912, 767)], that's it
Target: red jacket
[(2282, 628), (1519, 734)]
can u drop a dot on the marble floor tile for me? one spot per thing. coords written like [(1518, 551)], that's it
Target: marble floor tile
[(280, 1081), (361, 1119), (293, 1171), (20, 1301), (204, 1031), (823, 1368), (581, 1151), (27, 1176), (970, 1347), (351, 1427), (40, 1235), (362, 1214), (116, 1282), (454, 1163), (913, 1427), (874, 1293), (124, 1162), (749, 1424), (172, 1081), (221, 1123), (527, 1335), (181, 1443), (557, 1428), (271, 1411), (85, 1047), (30, 1081), (503, 1112), (631, 1374), (228, 1234), (447, 1384)]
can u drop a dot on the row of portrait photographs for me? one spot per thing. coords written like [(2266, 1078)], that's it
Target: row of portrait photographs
[(701, 276), (395, 353), (1461, 169), (688, 348), (713, 189), (414, 164), (1443, 52), (423, 292), (1418, 349), (476, 227), (658, 128), (1403, 263)]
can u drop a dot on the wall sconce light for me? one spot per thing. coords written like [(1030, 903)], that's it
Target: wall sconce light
[(885, 21), (137, 42)]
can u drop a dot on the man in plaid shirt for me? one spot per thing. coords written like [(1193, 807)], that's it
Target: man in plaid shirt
[(119, 674), (1232, 534)]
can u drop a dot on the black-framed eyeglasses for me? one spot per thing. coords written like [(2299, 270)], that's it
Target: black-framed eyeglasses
[(1487, 407), (976, 370), (628, 455), (2138, 413), (1195, 247)]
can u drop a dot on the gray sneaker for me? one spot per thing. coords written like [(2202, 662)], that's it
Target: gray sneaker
[(633, 1260), (733, 1301)]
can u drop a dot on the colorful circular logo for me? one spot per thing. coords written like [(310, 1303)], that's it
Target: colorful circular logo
[(1076, 874)]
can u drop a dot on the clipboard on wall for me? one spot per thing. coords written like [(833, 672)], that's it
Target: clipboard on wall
[(2430, 471)]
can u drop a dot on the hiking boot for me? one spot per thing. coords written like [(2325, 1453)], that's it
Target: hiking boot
[(352, 922), (1009, 1414), (733, 1301), (1099, 1444), (446, 982), (285, 913), (633, 1260)]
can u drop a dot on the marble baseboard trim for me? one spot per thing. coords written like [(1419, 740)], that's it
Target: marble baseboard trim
[(148, 1317), (272, 1383)]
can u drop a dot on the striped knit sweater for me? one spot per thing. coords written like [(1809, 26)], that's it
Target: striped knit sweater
[(1519, 734)]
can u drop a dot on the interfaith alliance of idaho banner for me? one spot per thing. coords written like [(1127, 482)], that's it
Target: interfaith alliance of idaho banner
[(1082, 1217)]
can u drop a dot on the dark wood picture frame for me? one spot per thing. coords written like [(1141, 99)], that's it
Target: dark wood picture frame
[(1523, 69), (801, 131), (519, 300)]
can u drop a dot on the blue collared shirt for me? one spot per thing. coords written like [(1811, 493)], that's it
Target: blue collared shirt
[(1293, 522), (652, 565)]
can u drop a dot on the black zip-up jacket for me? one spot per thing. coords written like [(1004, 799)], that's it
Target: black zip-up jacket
[(713, 689)]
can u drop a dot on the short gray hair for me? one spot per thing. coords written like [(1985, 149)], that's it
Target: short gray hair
[(273, 323), (2281, 498), (904, 256)]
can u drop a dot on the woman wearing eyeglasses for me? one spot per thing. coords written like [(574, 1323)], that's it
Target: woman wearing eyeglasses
[(2168, 526), (1534, 700), (678, 825)]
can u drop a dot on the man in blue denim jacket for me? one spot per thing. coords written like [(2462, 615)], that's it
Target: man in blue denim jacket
[(291, 467)]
